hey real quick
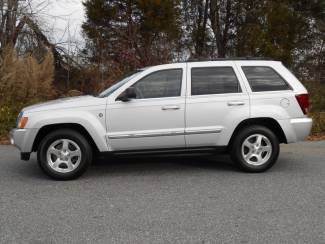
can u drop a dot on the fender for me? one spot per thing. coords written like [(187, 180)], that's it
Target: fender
[(89, 119), (268, 122)]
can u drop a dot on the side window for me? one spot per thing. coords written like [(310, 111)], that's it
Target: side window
[(262, 78), (214, 80), (165, 83)]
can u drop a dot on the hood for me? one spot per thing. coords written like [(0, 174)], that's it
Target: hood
[(63, 103)]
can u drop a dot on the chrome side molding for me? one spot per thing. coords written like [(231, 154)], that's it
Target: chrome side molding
[(167, 133)]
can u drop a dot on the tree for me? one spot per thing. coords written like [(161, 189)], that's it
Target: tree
[(312, 66), (224, 19), (273, 29), (124, 35), (196, 39), (18, 26)]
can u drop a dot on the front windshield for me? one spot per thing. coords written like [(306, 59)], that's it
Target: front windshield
[(117, 85)]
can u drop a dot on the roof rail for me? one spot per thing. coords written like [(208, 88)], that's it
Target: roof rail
[(230, 59)]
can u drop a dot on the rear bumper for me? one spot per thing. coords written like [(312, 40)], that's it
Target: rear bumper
[(301, 127), (297, 129)]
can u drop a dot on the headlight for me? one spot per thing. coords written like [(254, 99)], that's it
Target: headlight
[(21, 121)]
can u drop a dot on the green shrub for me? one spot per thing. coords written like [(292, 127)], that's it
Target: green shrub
[(318, 123), (9, 113), (317, 106), (7, 119)]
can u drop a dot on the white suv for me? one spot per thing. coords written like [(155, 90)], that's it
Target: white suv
[(244, 107)]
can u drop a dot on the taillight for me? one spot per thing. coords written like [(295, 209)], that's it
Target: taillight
[(303, 100)]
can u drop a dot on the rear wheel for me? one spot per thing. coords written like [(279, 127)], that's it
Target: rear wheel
[(255, 148), (64, 154)]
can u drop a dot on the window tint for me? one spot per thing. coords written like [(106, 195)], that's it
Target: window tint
[(117, 85), (214, 80), (165, 83), (264, 79)]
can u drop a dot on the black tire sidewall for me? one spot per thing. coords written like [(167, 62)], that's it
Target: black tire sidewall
[(237, 144), (86, 154)]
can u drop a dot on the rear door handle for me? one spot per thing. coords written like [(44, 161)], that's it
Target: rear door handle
[(170, 107), (236, 103)]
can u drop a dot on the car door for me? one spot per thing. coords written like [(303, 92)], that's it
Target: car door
[(155, 119), (216, 103)]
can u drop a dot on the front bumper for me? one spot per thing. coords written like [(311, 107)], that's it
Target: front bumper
[(23, 139)]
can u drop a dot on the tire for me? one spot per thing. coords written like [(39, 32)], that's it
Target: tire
[(64, 154), (255, 149)]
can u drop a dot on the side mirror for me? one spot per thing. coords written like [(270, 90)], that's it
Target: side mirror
[(127, 95)]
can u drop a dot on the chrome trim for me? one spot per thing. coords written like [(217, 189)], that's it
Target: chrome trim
[(172, 133), (235, 103), (170, 107), (19, 118), (146, 135), (11, 136), (203, 131), (301, 120)]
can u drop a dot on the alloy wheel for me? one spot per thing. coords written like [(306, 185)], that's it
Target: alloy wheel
[(63, 155), (256, 149)]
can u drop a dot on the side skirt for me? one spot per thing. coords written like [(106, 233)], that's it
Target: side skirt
[(170, 151)]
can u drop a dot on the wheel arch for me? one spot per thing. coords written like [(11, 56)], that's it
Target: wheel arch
[(43, 131), (270, 123)]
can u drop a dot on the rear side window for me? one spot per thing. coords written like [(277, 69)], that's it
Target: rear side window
[(214, 80), (262, 78)]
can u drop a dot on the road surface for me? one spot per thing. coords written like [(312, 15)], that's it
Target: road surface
[(167, 200)]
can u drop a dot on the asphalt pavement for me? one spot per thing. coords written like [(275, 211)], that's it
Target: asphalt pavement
[(167, 200)]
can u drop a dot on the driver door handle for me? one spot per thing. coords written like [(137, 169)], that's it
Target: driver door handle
[(170, 107), (236, 103)]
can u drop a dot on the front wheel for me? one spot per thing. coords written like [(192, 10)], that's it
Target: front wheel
[(64, 154), (255, 148)]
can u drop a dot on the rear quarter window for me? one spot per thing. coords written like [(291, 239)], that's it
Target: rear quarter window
[(263, 78), (214, 80)]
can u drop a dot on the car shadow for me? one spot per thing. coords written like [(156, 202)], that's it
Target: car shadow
[(148, 165), (158, 165)]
